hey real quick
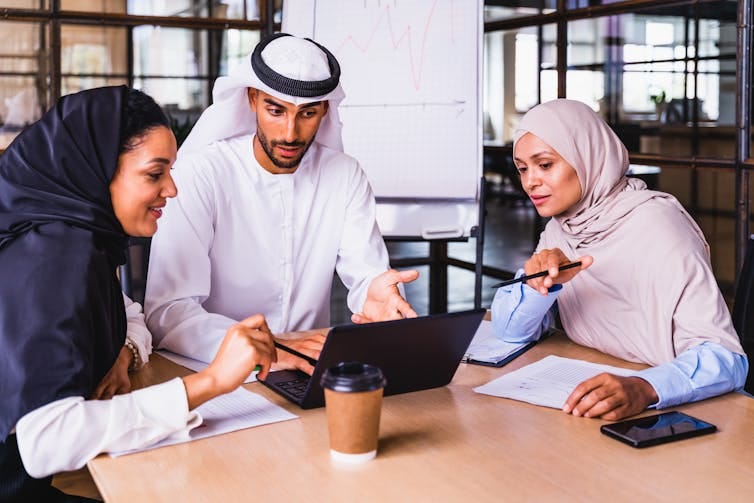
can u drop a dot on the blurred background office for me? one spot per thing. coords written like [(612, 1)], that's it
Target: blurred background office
[(673, 79)]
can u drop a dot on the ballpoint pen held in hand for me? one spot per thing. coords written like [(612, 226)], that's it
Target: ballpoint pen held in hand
[(535, 275)]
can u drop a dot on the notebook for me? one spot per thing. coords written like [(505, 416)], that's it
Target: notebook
[(487, 349), (413, 353)]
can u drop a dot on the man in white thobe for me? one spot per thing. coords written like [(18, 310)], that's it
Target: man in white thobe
[(269, 207)]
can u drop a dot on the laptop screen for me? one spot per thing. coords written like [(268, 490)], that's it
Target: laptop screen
[(413, 353)]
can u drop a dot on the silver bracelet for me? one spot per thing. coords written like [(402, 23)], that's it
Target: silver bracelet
[(136, 361)]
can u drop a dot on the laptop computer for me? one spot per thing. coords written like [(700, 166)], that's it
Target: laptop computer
[(413, 353)]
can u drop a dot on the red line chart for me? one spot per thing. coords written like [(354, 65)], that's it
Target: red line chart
[(412, 37)]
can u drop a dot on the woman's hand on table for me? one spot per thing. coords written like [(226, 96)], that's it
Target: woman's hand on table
[(611, 397)]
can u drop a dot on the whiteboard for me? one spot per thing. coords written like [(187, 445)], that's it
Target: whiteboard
[(411, 73)]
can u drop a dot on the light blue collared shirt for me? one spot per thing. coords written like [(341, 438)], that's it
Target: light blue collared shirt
[(521, 314)]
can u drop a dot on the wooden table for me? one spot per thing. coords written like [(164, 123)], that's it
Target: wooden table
[(447, 444)]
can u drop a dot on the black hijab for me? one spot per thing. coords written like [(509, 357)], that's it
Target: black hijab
[(62, 319)]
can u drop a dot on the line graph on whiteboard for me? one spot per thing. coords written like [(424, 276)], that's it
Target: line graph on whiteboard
[(410, 72), (404, 48)]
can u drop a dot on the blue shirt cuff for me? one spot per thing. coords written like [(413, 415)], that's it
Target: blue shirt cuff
[(520, 313), (700, 372)]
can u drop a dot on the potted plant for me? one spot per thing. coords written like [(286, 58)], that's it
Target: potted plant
[(659, 99)]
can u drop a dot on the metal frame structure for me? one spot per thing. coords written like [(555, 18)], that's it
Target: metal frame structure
[(50, 74)]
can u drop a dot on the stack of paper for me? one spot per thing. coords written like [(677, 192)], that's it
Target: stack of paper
[(233, 411)]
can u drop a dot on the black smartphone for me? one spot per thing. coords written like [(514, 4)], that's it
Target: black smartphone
[(657, 429)]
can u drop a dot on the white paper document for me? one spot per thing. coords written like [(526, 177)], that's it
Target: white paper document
[(485, 347), (233, 411), (547, 382), (194, 365)]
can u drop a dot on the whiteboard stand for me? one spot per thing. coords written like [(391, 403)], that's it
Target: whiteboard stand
[(438, 259)]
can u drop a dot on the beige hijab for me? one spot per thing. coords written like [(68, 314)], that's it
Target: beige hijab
[(650, 293)]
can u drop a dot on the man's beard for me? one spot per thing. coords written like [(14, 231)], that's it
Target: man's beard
[(269, 146)]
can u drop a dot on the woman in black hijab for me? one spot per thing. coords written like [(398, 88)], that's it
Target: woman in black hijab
[(73, 186)]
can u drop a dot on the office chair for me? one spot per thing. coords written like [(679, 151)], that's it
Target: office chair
[(743, 310)]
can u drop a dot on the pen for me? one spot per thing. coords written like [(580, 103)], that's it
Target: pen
[(295, 353), (535, 275), (291, 351)]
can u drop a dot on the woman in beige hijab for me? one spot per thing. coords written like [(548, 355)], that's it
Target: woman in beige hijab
[(645, 291)]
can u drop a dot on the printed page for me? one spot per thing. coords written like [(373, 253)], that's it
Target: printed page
[(233, 411), (485, 347), (547, 382)]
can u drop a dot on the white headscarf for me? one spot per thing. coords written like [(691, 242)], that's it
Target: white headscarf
[(230, 115), (650, 293)]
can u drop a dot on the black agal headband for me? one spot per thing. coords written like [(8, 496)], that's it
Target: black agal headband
[(293, 87)]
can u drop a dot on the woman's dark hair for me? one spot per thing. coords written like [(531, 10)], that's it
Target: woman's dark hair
[(140, 114)]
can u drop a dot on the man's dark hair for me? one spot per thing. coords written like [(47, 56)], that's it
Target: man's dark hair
[(140, 114)]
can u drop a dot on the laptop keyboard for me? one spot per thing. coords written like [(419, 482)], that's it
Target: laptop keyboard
[(296, 387)]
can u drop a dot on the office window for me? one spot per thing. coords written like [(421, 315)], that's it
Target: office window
[(170, 64), (642, 67), (536, 75), (494, 86), (516, 78), (110, 6), (23, 90), (177, 65), (240, 9), (236, 46), (498, 11), (184, 82), (92, 57), (581, 4), (227, 9), (184, 8), (25, 4), (527, 69), (588, 52)]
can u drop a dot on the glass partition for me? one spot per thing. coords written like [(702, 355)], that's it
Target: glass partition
[(25, 4), (175, 65), (23, 78), (500, 10), (526, 76), (109, 6), (92, 57), (228, 9)]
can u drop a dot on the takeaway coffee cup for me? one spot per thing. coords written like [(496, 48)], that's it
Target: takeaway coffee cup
[(353, 400)]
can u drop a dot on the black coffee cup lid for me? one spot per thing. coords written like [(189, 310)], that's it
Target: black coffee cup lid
[(353, 376)]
